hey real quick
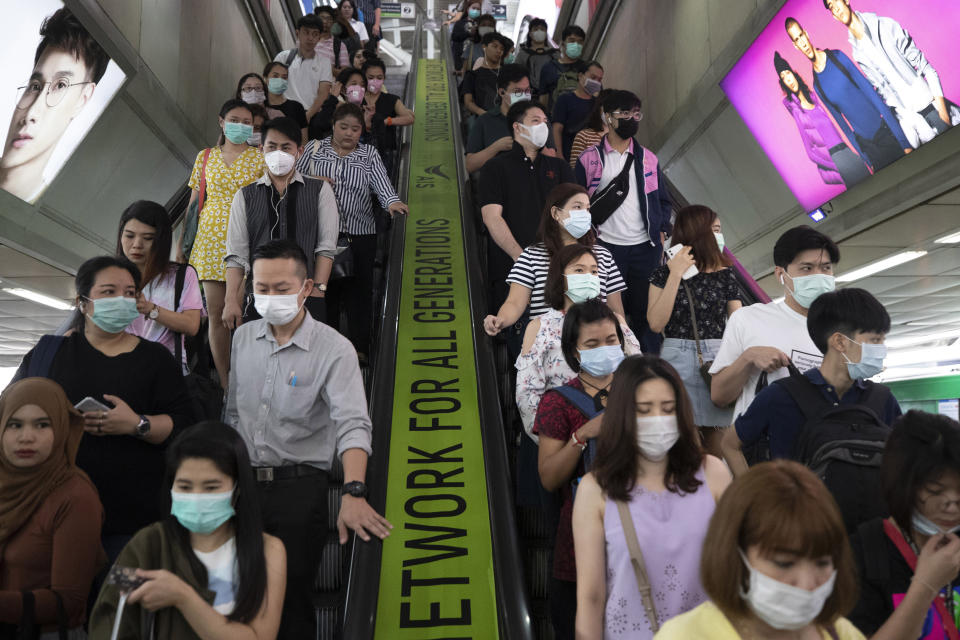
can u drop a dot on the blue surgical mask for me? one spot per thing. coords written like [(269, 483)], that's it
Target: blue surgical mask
[(871, 360), (276, 86), (806, 289), (582, 287), (113, 315), (473, 14), (927, 527), (237, 132), (720, 241), (579, 223), (601, 361), (573, 49), (202, 512), (510, 59)]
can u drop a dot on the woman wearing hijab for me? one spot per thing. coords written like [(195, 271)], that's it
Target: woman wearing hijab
[(50, 514)]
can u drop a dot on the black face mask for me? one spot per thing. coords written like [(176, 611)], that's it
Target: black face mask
[(627, 128)]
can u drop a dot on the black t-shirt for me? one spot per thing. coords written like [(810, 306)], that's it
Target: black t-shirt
[(482, 84), (884, 579), (711, 292), (127, 472), (520, 186), (292, 109), (382, 136)]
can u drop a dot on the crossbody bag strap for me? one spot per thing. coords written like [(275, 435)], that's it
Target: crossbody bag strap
[(693, 321), (177, 293), (62, 621), (639, 566), (896, 537)]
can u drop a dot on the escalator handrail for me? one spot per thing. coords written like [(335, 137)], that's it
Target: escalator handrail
[(363, 580), (512, 600)]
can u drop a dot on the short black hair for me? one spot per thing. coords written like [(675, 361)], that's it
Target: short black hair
[(270, 65), (621, 100), (555, 288), (795, 241), (510, 73), (846, 311), (346, 110), (921, 447), (373, 62), (325, 9), (284, 126), (826, 3), (344, 76), (87, 275), (791, 20), (62, 30), (490, 37), (276, 249), (580, 314), (572, 30), (487, 18), (591, 64), (518, 110), (310, 21)]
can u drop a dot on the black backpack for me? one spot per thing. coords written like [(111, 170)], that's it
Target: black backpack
[(843, 444), (206, 396)]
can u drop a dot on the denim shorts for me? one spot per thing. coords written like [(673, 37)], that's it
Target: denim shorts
[(682, 354)]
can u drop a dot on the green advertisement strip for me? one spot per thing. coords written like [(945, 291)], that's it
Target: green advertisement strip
[(436, 578)]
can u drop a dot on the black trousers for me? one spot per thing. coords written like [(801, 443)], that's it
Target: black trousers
[(295, 510), (882, 149), (355, 295), (563, 608)]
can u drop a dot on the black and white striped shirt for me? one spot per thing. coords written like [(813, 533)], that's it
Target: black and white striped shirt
[(530, 271), (354, 176)]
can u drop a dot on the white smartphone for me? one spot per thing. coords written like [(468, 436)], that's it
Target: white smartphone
[(89, 404), (689, 273)]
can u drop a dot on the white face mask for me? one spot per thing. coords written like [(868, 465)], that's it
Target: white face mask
[(537, 134), (656, 435), (277, 310), (280, 163), (927, 527), (783, 606), (518, 96)]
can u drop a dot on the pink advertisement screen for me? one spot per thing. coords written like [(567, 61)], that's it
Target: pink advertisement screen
[(838, 93)]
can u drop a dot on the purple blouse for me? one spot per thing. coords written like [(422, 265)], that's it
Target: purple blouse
[(819, 135), (671, 529)]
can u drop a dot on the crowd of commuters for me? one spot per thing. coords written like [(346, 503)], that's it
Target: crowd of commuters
[(692, 456)]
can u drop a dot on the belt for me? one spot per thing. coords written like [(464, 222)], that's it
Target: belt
[(269, 474)]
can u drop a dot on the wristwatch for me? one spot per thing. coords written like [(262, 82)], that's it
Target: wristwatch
[(154, 313), (355, 489), (142, 428), (321, 287)]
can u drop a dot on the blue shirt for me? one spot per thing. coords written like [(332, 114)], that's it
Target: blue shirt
[(774, 411), (853, 102), (571, 111)]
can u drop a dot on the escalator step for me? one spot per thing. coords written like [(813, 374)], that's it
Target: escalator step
[(333, 506), (538, 569), (330, 576)]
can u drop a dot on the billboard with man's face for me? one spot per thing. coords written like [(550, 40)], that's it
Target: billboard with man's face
[(59, 82), (835, 90)]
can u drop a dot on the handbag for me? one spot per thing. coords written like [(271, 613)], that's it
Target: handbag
[(28, 628), (206, 396), (192, 219), (704, 366), (607, 200), (639, 566), (343, 263)]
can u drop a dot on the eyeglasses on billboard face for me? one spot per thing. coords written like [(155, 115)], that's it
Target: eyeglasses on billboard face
[(53, 91)]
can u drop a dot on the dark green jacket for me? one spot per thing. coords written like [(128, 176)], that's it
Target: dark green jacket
[(149, 549)]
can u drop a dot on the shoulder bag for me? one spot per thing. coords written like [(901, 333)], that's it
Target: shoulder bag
[(192, 219), (28, 628), (704, 366), (607, 200), (206, 396), (639, 566)]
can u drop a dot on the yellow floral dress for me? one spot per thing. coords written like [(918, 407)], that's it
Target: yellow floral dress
[(223, 182)]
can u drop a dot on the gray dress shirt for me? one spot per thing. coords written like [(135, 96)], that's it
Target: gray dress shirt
[(299, 403)]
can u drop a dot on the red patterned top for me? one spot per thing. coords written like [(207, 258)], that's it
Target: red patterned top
[(558, 419)]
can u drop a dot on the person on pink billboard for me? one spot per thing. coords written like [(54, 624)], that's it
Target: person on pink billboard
[(893, 63), (869, 125), (835, 161)]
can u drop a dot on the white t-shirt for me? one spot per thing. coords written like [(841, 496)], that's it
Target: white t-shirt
[(625, 227), (361, 30), (221, 564), (304, 77), (766, 325)]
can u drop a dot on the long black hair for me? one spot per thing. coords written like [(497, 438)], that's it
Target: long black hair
[(222, 445), (154, 215), (782, 65), (87, 275)]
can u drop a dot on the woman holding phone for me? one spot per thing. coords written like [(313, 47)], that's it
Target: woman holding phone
[(136, 383), (206, 570)]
